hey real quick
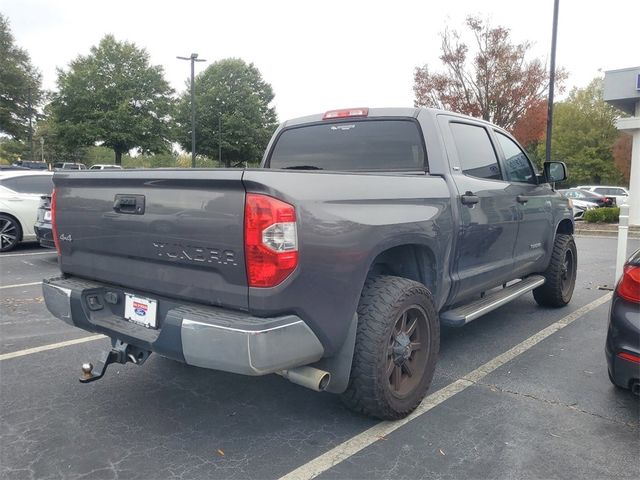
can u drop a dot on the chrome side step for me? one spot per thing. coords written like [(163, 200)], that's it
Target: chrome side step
[(460, 316)]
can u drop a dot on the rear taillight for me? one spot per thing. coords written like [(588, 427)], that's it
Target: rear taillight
[(629, 357), (54, 222), (270, 240), (629, 286)]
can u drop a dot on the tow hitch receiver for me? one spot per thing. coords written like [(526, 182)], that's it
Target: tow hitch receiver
[(120, 353)]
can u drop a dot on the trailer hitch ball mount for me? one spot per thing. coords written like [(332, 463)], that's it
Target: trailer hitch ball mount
[(120, 353)]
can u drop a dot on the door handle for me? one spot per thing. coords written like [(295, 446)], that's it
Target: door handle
[(469, 199), (522, 199)]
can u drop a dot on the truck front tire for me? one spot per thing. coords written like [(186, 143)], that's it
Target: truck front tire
[(560, 275), (396, 349)]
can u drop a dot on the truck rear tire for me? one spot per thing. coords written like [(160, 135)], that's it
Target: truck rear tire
[(396, 349), (560, 274)]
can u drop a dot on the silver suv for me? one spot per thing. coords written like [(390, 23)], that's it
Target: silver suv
[(69, 166)]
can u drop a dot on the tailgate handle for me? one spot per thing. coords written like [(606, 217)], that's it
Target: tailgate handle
[(129, 204)]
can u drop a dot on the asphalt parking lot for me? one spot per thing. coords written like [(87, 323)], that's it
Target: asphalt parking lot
[(520, 393)]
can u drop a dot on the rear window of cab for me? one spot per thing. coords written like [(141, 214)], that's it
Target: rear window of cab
[(361, 145)]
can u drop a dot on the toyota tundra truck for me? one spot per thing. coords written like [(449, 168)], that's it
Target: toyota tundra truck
[(334, 264)]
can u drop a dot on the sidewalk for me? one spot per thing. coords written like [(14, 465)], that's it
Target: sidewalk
[(604, 229)]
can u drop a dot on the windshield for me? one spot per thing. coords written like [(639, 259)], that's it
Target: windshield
[(364, 145), (589, 194)]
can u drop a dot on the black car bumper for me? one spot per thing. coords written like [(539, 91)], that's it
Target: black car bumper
[(44, 234), (623, 343)]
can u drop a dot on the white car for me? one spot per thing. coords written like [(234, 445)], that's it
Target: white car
[(580, 206), (621, 194), (20, 192), (105, 167)]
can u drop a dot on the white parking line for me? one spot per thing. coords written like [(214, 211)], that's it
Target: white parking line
[(20, 285), (355, 444), (51, 346), (25, 254)]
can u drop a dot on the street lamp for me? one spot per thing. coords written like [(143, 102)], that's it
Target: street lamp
[(552, 80), (42, 148), (193, 58)]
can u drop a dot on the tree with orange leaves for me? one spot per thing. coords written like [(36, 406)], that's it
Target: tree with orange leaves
[(496, 82)]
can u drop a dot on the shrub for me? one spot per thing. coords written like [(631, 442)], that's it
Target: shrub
[(602, 215)]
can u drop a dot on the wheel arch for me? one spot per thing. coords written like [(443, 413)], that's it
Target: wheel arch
[(412, 261), (565, 227)]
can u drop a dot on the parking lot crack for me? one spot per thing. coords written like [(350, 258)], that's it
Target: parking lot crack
[(570, 406)]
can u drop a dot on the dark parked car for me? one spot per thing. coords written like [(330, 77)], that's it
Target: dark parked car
[(42, 227), (32, 165), (623, 336), (600, 200), (12, 167)]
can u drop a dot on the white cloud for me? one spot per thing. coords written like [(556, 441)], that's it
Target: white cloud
[(320, 55)]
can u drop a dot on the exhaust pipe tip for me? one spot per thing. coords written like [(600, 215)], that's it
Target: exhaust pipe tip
[(326, 378), (309, 377), (635, 388)]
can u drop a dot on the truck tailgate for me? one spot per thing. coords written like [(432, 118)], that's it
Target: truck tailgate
[(177, 233)]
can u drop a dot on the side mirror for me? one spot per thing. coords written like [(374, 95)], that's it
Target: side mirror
[(555, 171)]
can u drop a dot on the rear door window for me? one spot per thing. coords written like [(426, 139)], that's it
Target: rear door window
[(475, 151), (364, 145), (609, 191), (40, 184)]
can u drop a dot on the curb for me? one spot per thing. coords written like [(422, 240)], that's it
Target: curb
[(605, 233)]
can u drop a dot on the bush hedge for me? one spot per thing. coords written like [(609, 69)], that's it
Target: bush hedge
[(602, 215)]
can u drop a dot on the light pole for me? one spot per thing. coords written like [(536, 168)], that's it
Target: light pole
[(193, 58), (552, 79), (30, 126), (42, 148), (220, 139)]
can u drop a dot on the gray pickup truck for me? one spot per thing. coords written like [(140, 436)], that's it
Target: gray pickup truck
[(333, 265)]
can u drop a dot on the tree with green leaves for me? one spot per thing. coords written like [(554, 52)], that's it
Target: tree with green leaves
[(583, 136), (53, 147), (232, 94), (114, 97), (20, 89)]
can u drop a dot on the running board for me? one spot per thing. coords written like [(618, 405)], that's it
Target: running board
[(460, 316)]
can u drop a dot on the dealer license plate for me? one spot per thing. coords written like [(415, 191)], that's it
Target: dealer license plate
[(140, 310)]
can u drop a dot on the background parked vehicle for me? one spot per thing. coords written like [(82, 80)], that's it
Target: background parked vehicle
[(4, 168), (584, 195), (42, 228), (69, 166), (105, 167), (33, 165), (623, 336), (20, 193), (621, 194), (580, 207)]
